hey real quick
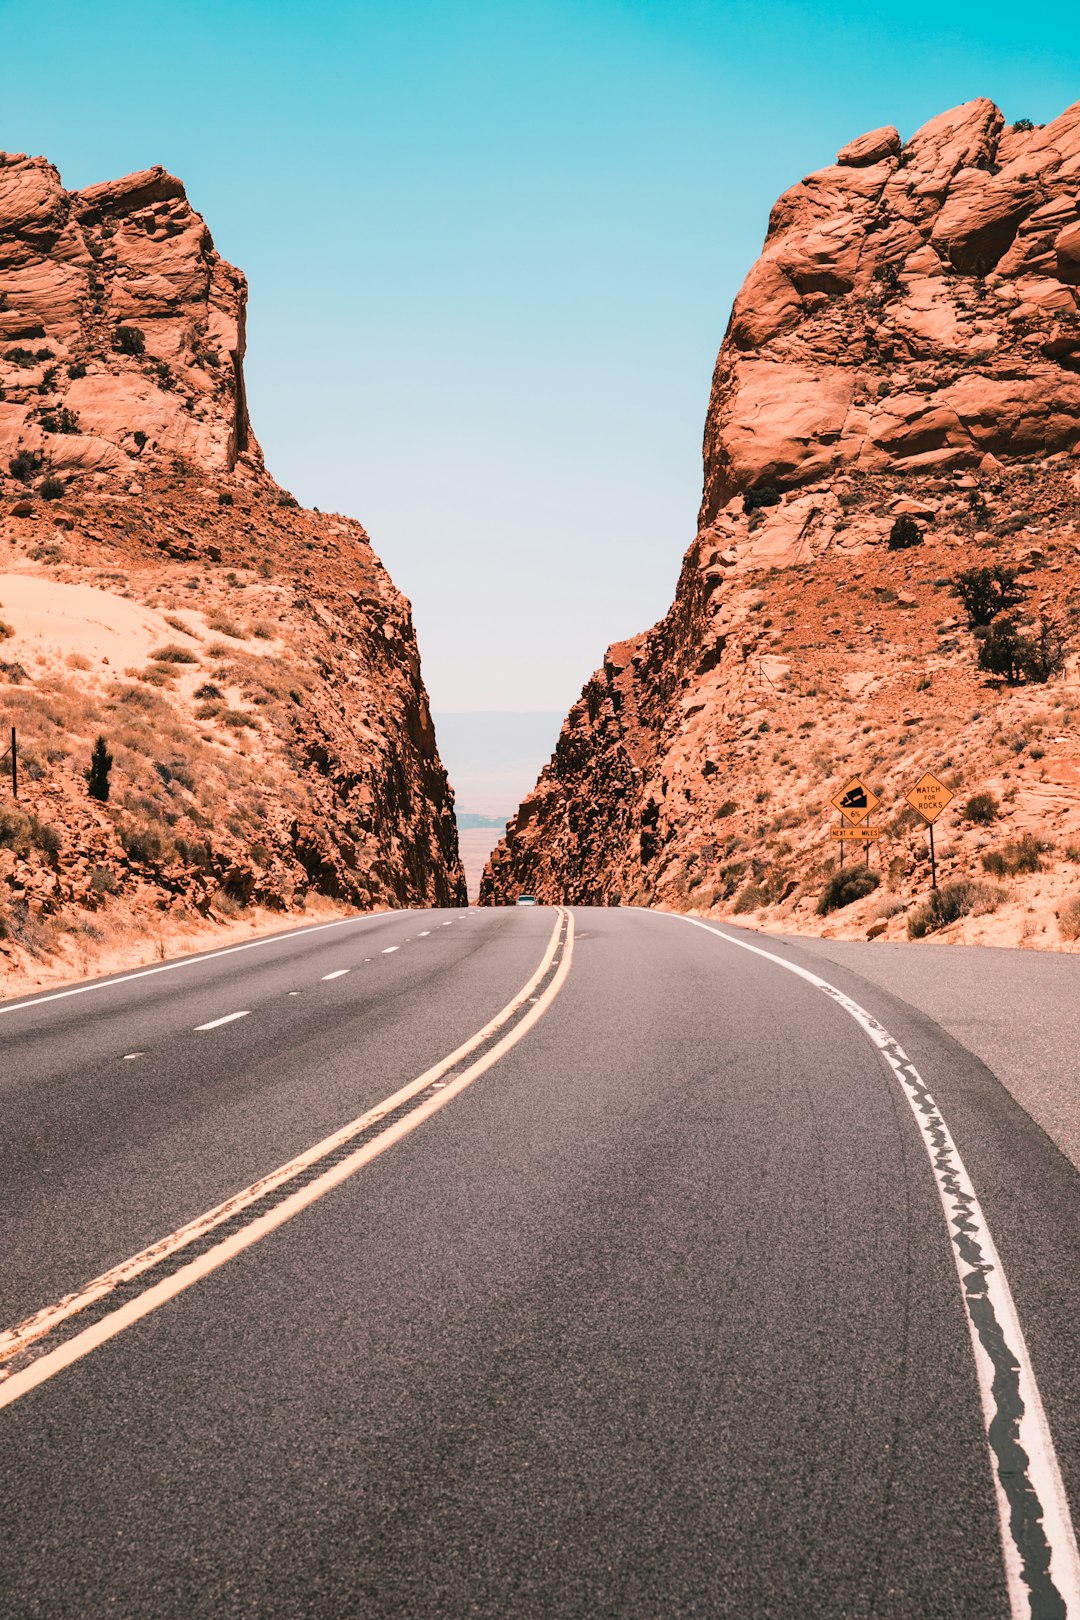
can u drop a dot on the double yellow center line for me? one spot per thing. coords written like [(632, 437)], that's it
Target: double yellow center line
[(62, 1333)]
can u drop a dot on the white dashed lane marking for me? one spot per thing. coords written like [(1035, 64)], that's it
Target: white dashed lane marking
[(229, 1018), (340, 974), (129, 1055), (388, 950), (423, 934)]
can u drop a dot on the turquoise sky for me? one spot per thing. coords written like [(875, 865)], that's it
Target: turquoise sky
[(492, 250)]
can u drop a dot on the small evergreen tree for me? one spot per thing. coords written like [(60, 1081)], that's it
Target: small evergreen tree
[(986, 592), (97, 775), (1000, 648)]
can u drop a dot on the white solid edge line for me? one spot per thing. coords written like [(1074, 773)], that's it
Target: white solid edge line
[(43, 1321), (193, 961), (216, 1023), (1035, 1435)]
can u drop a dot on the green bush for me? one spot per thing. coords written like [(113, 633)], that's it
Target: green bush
[(24, 464), (760, 495), (845, 887), (129, 340), (76, 370), (981, 808), (1019, 855), (904, 533), (1004, 649), (986, 592), (59, 421), (945, 905), (1022, 126), (51, 488)]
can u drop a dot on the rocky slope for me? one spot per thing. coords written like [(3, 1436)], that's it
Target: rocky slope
[(250, 664), (907, 346)]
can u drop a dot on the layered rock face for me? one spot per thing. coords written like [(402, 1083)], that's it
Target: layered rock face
[(907, 344), (121, 328), (251, 666)]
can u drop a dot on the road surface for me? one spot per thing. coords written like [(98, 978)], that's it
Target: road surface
[(527, 1263)]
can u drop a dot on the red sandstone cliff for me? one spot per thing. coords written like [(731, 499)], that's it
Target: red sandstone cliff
[(907, 344), (251, 665)]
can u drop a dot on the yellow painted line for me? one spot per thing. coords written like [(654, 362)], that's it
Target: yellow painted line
[(18, 1339)]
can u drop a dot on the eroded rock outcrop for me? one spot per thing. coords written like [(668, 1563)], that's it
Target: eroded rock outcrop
[(907, 344), (250, 664)]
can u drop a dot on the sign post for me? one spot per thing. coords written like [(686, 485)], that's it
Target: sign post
[(13, 753), (855, 801), (929, 797)]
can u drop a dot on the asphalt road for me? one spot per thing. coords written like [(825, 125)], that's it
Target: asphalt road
[(646, 1305)]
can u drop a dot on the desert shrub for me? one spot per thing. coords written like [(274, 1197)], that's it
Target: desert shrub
[(24, 464), (986, 592), (760, 495), (51, 488), (1022, 126), (59, 421), (103, 880), (981, 808), (5, 631), (97, 772), (129, 340), (224, 626), (749, 899), (237, 719), (208, 690), (1069, 918), (76, 370), (263, 631), (172, 654), (19, 357), (728, 808), (1019, 855), (843, 888), (1042, 655), (904, 533), (225, 497), (285, 499), (945, 905), (141, 841)]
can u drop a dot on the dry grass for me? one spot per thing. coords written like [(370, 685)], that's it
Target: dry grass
[(1069, 918)]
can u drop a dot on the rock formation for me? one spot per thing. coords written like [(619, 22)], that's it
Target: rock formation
[(249, 663), (908, 344)]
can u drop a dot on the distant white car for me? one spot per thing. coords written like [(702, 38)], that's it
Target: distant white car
[(526, 900)]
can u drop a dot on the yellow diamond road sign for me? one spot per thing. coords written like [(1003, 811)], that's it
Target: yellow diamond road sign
[(856, 800), (929, 797)]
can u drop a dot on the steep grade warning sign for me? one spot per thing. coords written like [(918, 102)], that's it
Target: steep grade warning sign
[(855, 800)]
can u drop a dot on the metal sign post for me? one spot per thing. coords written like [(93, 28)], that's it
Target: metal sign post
[(13, 752)]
